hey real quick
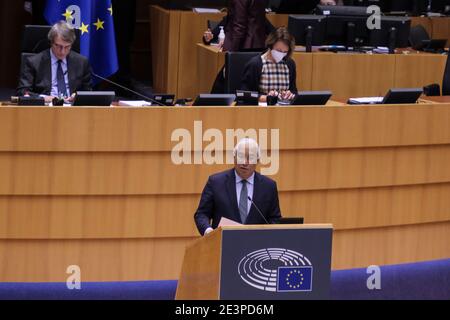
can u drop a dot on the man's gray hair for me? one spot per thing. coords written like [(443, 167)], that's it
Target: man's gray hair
[(253, 147), (64, 30)]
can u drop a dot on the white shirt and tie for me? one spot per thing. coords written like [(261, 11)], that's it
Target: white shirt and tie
[(54, 64), (250, 185), (239, 184)]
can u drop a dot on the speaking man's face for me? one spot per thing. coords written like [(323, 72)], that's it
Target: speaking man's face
[(61, 48), (245, 162)]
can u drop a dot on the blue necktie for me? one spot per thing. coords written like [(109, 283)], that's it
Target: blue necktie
[(243, 204), (62, 90)]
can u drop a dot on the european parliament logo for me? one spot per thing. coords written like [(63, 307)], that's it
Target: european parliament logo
[(276, 270)]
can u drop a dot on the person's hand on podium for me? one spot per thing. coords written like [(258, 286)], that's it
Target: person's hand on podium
[(70, 99), (208, 231)]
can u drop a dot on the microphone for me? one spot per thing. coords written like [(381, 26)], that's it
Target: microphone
[(129, 90), (259, 211)]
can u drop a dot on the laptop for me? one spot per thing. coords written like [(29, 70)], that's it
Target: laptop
[(94, 98), (394, 96), (311, 98), (434, 45)]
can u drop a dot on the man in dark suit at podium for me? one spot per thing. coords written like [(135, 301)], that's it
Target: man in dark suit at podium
[(58, 71), (239, 194)]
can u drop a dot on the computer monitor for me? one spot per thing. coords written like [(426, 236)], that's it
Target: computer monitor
[(394, 33), (434, 45), (311, 98), (349, 31), (440, 6), (402, 95), (425, 6), (94, 98), (308, 30), (346, 25), (214, 100), (247, 98), (296, 6), (352, 11), (402, 6), (383, 4)]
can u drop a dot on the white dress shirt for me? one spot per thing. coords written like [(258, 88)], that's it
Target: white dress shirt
[(54, 62)]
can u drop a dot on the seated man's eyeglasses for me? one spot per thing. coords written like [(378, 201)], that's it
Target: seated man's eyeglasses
[(61, 47)]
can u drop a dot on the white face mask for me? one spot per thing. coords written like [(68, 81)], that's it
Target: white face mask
[(278, 55)]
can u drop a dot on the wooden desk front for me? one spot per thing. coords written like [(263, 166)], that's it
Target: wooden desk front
[(96, 187), (346, 75)]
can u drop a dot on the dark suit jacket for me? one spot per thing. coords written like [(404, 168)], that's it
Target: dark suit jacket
[(36, 74), (246, 27), (219, 200)]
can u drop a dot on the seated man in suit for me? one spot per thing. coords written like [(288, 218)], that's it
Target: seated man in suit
[(227, 194), (58, 71)]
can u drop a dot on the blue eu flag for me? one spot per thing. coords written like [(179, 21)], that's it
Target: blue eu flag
[(294, 279), (95, 21)]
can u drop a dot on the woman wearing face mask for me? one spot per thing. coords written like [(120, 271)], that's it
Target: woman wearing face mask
[(274, 72)]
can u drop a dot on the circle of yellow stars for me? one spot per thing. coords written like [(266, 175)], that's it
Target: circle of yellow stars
[(84, 28), (288, 279)]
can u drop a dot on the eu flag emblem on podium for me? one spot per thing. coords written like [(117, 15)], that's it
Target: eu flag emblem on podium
[(94, 18), (294, 279)]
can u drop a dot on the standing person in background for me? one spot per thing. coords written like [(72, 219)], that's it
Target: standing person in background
[(246, 28), (211, 36), (246, 25)]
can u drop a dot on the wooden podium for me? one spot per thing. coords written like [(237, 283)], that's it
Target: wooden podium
[(258, 262)]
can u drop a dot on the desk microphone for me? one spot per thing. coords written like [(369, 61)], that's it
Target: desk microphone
[(129, 90), (259, 211)]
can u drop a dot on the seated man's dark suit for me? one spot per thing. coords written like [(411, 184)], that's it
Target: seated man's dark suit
[(219, 200), (36, 74)]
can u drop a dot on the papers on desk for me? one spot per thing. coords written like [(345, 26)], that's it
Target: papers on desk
[(366, 100), (303, 49), (134, 103), (381, 50), (205, 10), (224, 222)]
